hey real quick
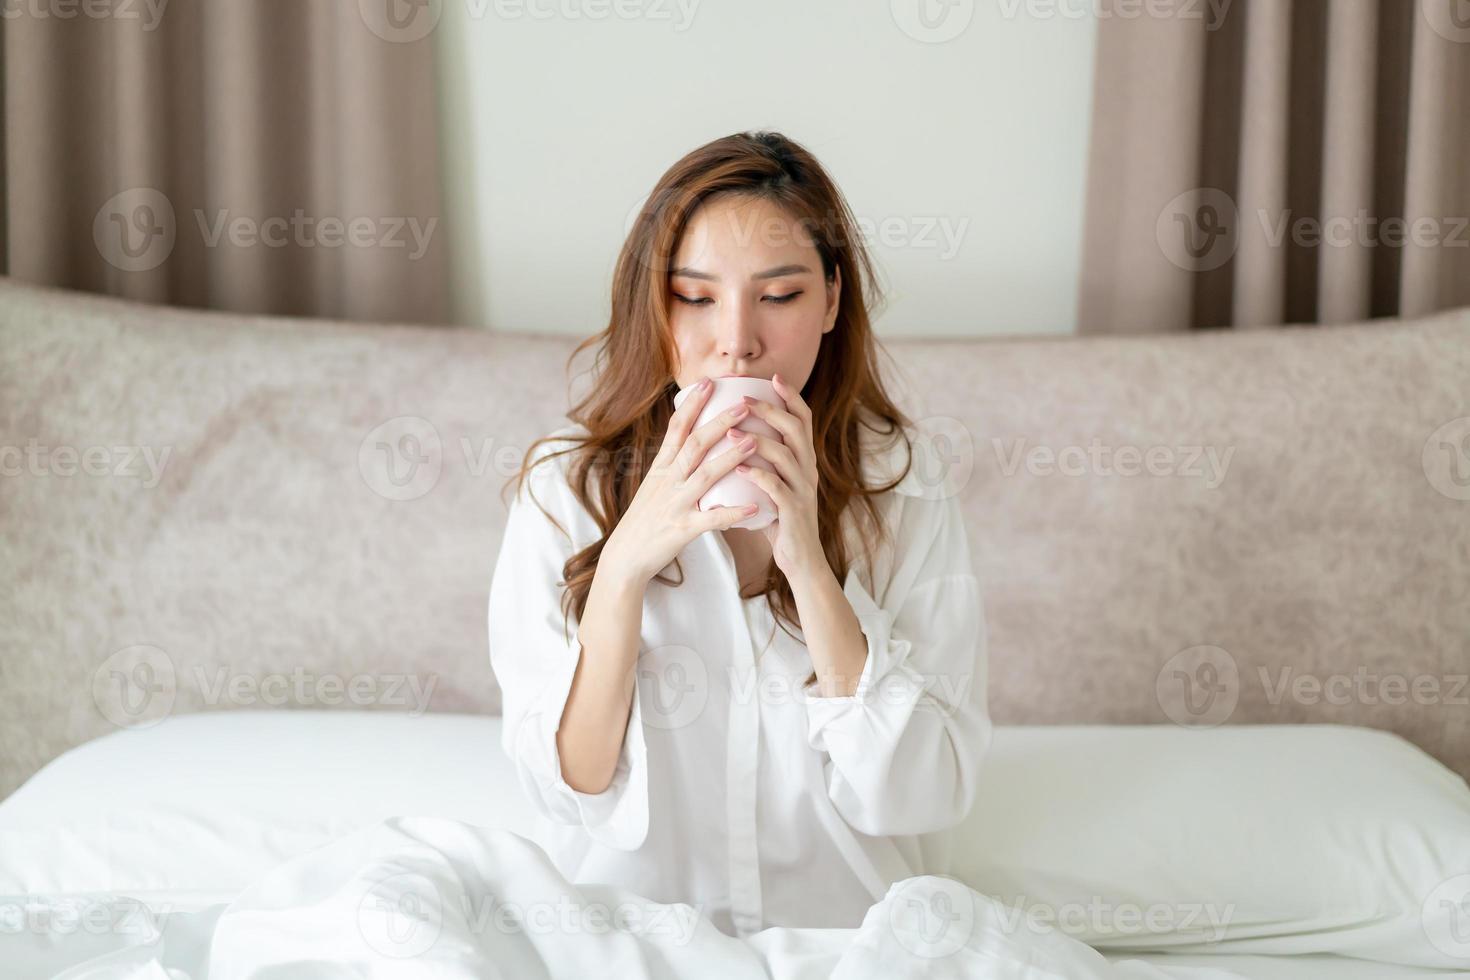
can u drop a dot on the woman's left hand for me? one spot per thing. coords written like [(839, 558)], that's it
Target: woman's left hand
[(796, 544)]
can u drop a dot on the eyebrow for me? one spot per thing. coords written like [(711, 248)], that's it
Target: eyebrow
[(781, 270)]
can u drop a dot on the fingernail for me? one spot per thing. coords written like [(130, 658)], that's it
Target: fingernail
[(739, 411), (703, 384), (748, 400), (747, 445), (742, 468)]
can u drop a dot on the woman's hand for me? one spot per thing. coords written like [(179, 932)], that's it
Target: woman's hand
[(796, 544), (664, 515)]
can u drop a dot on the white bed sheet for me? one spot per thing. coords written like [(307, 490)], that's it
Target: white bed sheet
[(226, 797)]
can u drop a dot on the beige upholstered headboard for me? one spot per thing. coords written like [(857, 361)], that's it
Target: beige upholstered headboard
[(203, 511)]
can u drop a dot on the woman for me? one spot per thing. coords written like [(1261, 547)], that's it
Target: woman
[(676, 742)]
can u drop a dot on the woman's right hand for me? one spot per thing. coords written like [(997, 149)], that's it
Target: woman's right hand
[(664, 515)]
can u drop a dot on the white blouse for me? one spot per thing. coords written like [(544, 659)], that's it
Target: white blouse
[(736, 791)]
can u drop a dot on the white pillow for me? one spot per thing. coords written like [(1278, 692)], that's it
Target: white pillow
[(1300, 838), (189, 811)]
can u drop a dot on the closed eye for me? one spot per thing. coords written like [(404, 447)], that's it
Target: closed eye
[(705, 300)]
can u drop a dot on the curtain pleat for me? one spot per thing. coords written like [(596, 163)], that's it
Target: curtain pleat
[(270, 156), (1281, 182)]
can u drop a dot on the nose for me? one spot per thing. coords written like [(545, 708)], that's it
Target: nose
[(738, 336)]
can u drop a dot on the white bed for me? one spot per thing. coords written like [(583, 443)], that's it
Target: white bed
[(184, 816)]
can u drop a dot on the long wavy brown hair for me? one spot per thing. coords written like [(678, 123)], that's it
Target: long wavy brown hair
[(627, 411)]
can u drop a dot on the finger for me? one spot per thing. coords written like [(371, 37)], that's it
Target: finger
[(772, 484), (683, 419), (794, 432), (794, 403), (790, 427), (698, 445), (778, 454), (719, 518), (717, 464)]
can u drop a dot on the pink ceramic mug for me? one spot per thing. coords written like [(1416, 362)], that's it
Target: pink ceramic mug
[(732, 489)]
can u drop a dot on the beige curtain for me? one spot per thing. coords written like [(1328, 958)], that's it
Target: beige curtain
[(274, 156), (1277, 161)]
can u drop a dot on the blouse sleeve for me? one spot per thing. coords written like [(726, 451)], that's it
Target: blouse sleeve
[(534, 657), (904, 751)]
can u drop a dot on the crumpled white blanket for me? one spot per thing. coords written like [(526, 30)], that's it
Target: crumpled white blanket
[(430, 897)]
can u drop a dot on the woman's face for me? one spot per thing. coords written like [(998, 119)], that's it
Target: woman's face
[(748, 296)]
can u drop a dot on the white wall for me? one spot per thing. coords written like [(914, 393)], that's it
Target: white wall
[(967, 155)]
